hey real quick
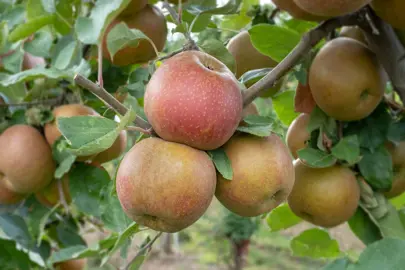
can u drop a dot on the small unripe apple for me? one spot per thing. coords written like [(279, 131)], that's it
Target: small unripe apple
[(26, 162), (78, 264), (165, 186), (50, 195), (194, 99), (152, 23), (297, 134)]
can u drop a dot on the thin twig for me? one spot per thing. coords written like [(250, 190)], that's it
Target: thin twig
[(100, 65), (144, 131), (393, 105), (142, 250), (62, 195), (309, 40), (108, 99), (177, 19), (170, 55)]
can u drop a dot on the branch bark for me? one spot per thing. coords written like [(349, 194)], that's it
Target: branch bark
[(308, 41), (108, 99)]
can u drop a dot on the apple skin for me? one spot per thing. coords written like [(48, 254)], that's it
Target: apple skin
[(194, 99), (296, 12), (152, 23), (390, 11), (26, 162), (398, 161), (325, 197), (31, 61), (353, 32), (297, 134), (165, 186), (7, 196), (133, 7), (78, 264), (346, 79), (263, 175), (331, 8)]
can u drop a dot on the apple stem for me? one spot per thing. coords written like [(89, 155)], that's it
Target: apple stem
[(62, 195), (142, 251), (100, 64), (380, 36), (108, 99)]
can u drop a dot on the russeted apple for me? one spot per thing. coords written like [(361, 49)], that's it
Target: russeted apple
[(297, 134), (263, 175), (165, 186), (151, 21), (50, 195), (26, 163), (248, 58), (52, 132), (353, 32), (346, 79), (325, 197), (331, 8), (194, 99), (133, 7), (295, 11), (78, 264), (390, 11), (398, 161)]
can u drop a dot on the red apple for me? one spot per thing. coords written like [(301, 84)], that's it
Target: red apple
[(194, 99)]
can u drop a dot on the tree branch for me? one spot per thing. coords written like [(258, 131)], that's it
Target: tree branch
[(142, 250), (108, 99), (388, 48), (309, 40)]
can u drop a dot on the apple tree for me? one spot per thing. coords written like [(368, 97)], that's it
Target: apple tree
[(134, 115)]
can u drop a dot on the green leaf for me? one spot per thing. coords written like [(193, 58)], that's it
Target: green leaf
[(383, 254), (338, 264), (89, 135), (218, 50), (235, 22), (274, 41), (112, 214), (283, 104), (31, 74), (13, 258), (49, 5), (203, 7), (3, 34), (68, 236), (25, 30), (13, 62), (122, 36), (258, 120), (121, 240), (65, 52), (364, 228), (15, 227), (73, 252), (299, 26), (261, 131), (40, 45), (376, 168), (65, 11), (87, 187), (373, 130), (348, 149), (62, 156), (282, 218), (222, 163), (316, 158), (315, 243), (89, 29), (396, 131), (43, 223), (14, 93), (254, 75)]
